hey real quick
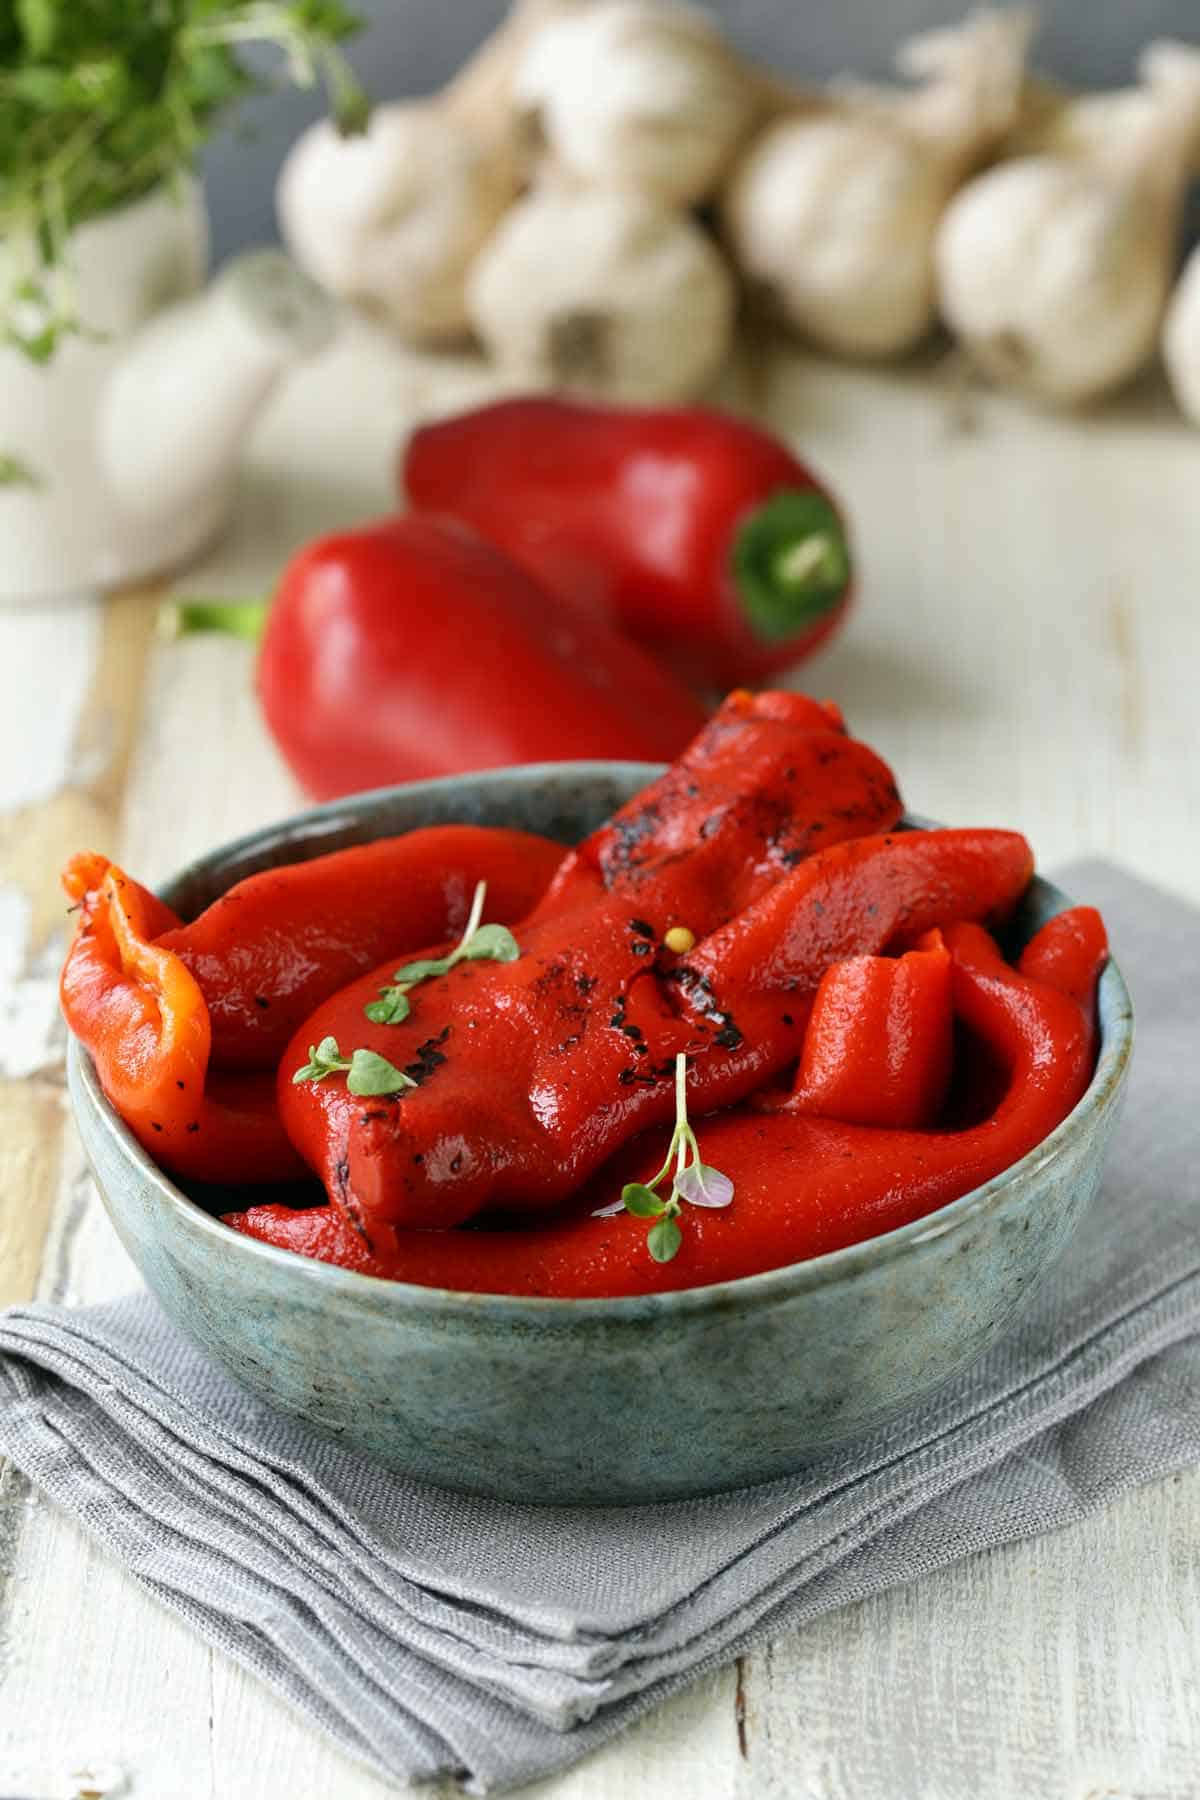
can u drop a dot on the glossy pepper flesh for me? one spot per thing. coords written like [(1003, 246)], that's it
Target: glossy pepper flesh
[(277, 943), (185, 1023), (770, 779), (802, 1185), (139, 1012), (880, 1040), (529, 1075), (698, 533), (767, 779), (410, 648)]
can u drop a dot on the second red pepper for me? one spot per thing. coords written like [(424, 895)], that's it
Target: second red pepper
[(701, 535)]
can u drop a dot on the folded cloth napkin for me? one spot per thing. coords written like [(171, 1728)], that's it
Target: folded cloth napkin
[(429, 1632)]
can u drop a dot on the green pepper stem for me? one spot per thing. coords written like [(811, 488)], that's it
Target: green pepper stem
[(234, 618), (790, 563)]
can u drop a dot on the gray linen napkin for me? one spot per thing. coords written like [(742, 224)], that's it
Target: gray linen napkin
[(430, 1632)]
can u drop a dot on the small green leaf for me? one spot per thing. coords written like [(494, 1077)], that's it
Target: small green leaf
[(413, 972), (642, 1201), (38, 20), (664, 1238), (323, 1059), (372, 1074), (492, 943), (391, 1008)]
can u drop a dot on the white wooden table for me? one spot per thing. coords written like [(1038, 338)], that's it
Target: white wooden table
[(1026, 651)]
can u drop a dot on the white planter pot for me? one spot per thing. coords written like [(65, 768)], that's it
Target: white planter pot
[(131, 433)]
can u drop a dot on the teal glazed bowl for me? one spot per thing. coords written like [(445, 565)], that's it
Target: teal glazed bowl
[(544, 1400)]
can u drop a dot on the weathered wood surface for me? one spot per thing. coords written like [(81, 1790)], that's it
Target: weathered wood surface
[(1026, 651)]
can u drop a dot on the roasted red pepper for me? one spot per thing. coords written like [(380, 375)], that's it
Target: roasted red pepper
[(410, 648), (179, 1017), (802, 1186), (531, 1074), (140, 1013), (698, 533), (768, 779), (880, 1040), (268, 951)]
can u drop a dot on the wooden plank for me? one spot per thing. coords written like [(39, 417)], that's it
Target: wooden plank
[(82, 665), (1061, 1666)]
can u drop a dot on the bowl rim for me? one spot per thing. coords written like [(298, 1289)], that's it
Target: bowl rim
[(765, 1288)]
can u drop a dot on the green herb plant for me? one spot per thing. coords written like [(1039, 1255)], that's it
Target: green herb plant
[(367, 1073), (693, 1182), (100, 100), (478, 943)]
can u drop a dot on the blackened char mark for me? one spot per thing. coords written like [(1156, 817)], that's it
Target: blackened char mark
[(429, 1057), (624, 850)]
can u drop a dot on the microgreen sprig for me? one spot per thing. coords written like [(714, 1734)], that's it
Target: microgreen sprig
[(367, 1073), (478, 943), (693, 1181)]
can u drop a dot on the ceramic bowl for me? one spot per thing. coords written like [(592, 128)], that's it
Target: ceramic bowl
[(592, 1401)]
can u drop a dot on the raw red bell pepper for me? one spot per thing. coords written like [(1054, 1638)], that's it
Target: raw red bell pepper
[(278, 943), (700, 534), (410, 648), (802, 1185)]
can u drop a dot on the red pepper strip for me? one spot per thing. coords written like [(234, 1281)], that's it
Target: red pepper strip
[(770, 779), (802, 1186), (700, 534), (755, 977), (83, 880), (880, 1040), (1068, 956), (278, 943), (409, 648), (531, 1074), (141, 1015)]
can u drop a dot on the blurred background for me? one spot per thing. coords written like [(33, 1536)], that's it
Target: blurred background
[(413, 46)]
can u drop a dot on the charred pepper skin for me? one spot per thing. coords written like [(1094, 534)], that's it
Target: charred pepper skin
[(769, 778), (546, 1066), (803, 1186), (186, 1023), (409, 648), (700, 534)]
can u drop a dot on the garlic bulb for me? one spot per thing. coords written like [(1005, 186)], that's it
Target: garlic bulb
[(393, 219), (1181, 338), (833, 211), (1056, 122), (640, 94), (1054, 270), (606, 292)]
